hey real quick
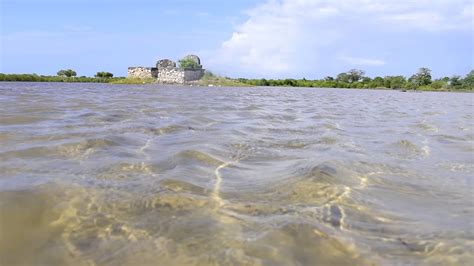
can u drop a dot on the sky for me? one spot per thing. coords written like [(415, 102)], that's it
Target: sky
[(239, 38)]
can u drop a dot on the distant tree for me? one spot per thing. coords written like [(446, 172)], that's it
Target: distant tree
[(377, 82), (387, 81), (394, 82), (343, 77), (289, 82), (411, 82), (355, 75), (67, 73), (468, 81), (209, 74), (397, 82), (104, 75), (263, 82), (439, 84), (455, 81), (328, 78), (445, 79), (189, 64), (71, 73), (366, 80), (422, 77)]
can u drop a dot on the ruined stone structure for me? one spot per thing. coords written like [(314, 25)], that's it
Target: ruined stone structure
[(142, 72), (167, 72)]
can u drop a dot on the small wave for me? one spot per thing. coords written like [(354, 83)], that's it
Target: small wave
[(405, 149), (426, 127), (298, 242), (318, 185), (198, 156), (20, 120), (7, 136), (126, 170), (448, 139), (332, 126), (170, 129), (327, 141), (84, 148), (291, 144), (79, 149), (30, 215), (111, 118), (180, 186), (27, 153)]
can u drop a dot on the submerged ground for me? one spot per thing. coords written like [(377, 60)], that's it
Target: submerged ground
[(145, 175)]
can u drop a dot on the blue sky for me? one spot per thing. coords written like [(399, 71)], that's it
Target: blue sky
[(239, 38)]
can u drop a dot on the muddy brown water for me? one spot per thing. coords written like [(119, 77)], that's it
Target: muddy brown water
[(94, 174)]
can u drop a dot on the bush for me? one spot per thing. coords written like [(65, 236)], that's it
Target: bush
[(67, 73), (104, 75), (208, 75), (439, 84), (189, 64)]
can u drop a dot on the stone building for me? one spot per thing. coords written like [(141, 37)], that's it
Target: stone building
[(167, 72)]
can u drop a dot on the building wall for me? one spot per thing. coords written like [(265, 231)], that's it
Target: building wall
[(170, 76), (178, 76), (142, 72), (190, 75), (167, 75)]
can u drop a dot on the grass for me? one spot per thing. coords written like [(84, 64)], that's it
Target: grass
[(209, 79)]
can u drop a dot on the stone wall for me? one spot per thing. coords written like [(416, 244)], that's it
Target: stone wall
[(178, 76), (142, 72), (167, 72), (190, 75), (170, 76)]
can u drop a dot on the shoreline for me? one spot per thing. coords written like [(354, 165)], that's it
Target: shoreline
[(240, 86)]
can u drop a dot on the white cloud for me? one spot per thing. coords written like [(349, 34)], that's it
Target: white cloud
[(288, 37)]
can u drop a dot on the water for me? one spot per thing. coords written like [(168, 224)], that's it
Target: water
[(96, 174)]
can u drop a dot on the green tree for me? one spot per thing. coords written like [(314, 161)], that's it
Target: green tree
[(422, 77), (263, 82), (439, 84), (397, 82), (455, 81), (445, 79), (377, 82), (366, 80), (189, 64), (67, 73), (104, 74), (289, 82), (468, 81), (343, 77), (355, 75), (387, 81)]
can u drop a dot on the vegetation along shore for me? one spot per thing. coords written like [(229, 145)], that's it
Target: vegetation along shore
[(354, 78)]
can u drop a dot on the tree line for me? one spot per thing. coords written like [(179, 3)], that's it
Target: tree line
[(355, 78), (63, 75)]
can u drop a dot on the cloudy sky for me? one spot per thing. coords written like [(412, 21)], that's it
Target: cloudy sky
[(239, 38)]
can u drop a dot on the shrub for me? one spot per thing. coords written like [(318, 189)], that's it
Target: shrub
[(67, 73), (189, 64), (104, 75)]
